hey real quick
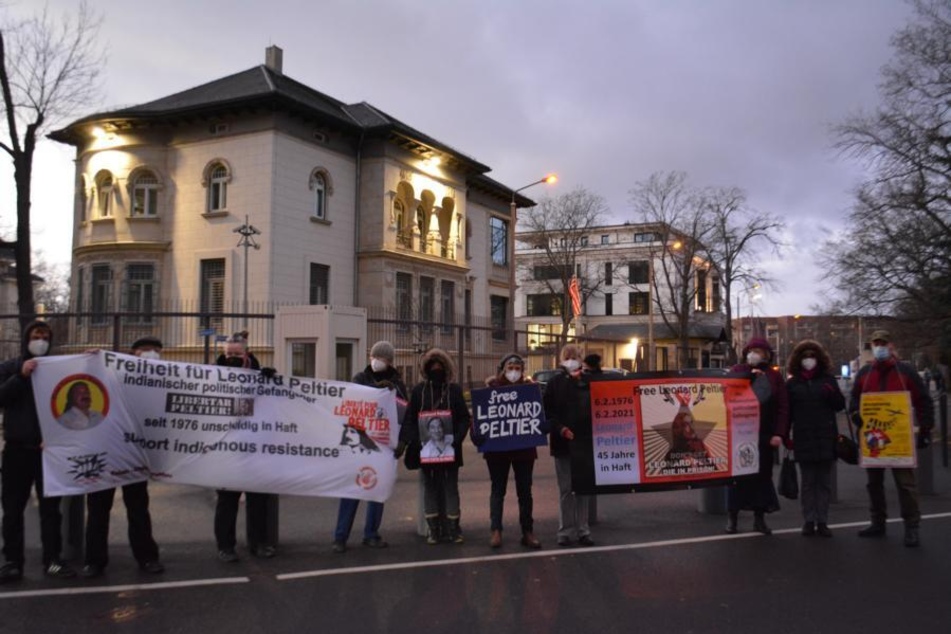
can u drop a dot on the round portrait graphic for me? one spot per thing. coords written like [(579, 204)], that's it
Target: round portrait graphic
[(80, 401)]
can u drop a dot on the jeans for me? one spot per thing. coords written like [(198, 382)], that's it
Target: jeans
[(99, 507), (22, 469), (347, 513), (440, 491), (226, 517), (815, 490), (499, 474), (573, 509), (907, 486)]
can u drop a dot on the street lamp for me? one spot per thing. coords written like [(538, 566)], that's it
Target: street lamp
[(513, 212), (247, 231)]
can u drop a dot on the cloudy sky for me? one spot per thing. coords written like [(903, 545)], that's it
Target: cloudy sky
[(603, 92)]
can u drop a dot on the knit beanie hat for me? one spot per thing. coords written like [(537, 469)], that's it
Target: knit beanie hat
[(383, 350)]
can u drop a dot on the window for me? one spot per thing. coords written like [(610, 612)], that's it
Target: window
[(715, 292), (145, 195), (639, 303), (551, 272), (104, 185), (80, 292), (499, 237), (608, 304), (543, 305), (608, 273), (499, 309), (139, 293), (212, 292), (467, 315), (404, 300), (447, 305), (638, 272), (304, 359), (645, 237), (320, 186), (701, 291), (605, 239), (584, 241), (319, 284), (427, 289), (404, 235), (218, 178), (101, 293)]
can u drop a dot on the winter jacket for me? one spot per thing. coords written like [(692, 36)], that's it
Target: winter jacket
[(517, 455), (567, 405), (21, 425), (892, 375), (430, 395), (813, 401), (389, 378), (774, 413)]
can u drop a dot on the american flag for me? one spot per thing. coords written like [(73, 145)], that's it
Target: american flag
[(574, 292)]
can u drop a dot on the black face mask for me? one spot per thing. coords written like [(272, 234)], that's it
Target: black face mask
[(234, 362), (437, 376)]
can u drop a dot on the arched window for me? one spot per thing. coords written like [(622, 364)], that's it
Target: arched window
[(404, 236), (216, 178), (322, 187), (145, 188), (104, 185)]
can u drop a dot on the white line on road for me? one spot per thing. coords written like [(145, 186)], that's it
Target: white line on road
[(558, 553), (163, 585)]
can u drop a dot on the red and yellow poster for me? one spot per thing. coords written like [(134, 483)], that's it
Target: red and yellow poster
[(887, 437)]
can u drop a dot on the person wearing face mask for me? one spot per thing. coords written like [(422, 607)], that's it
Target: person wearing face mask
[(887, 374), (135, 496), (379, 373), (511, 371), (567, 403), (236, 355), (437, 395), (22, 462), (758, 493), (814, 399)]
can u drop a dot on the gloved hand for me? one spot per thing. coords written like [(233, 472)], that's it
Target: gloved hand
[(924, 439), (268, 372), (400, 448), (856, 420), (386, 384)]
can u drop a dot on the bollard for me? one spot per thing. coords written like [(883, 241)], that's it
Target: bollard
[(925, 471), (73, 510), (712, 500)]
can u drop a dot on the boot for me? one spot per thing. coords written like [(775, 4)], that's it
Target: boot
[(530, 541), (495, 541), (911, 536), (455, 531), (435, 530), (875, 529), (759, 524), (445, 535), (732, 518)]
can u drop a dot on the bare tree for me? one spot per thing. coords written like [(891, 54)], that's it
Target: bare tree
[(559, 228), (53, 291), (737, 233), (48, 70), (667, 202)]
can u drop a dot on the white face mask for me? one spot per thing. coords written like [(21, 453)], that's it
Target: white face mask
[(808, 364), (572, 365), (881, 352), (377, 365), (754, 359), (513, 375), (150, 354), (38, 347)]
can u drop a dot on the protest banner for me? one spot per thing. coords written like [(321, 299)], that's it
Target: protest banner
[(667, 430), (508, 418), (110, 419), (887, 436)]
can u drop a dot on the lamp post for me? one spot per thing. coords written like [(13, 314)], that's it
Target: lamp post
[(247, 231), (513, 213)]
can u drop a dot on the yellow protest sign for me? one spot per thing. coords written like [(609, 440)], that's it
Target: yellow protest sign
[(887, 437)]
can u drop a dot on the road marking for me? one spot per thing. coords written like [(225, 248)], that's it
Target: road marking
[(560, 553), (164, 585)]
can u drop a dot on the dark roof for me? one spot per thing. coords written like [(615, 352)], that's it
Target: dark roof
[(626, 332)]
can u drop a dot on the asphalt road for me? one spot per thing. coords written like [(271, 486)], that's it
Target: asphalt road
[(659, 566)]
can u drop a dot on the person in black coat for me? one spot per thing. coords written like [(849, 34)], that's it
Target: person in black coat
[(814, 399)]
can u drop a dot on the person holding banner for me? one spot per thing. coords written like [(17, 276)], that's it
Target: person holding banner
[(379, 373), (568, 410), (438, 397), (136, 499), (23, 462), (758, 493), (887, 374), (226, 509), (814, 399), (511, 371)]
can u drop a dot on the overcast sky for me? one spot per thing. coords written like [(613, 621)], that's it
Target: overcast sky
[(603, 92)]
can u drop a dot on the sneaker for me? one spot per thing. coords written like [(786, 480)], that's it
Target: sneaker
[(228, 556), (585, 540), (809, 529), (875, 529), (339, 546), (822, 530), (11, 572), (152, 567), (264, 552), (375, 542), (59, 570), (90, 571)]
